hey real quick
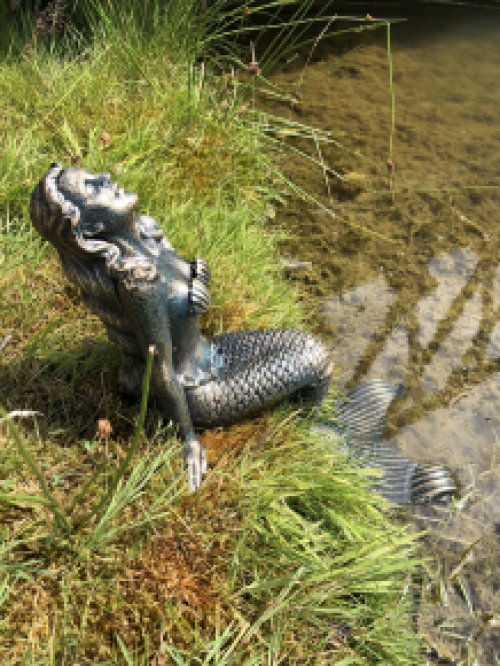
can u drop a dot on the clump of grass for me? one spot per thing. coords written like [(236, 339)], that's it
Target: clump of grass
[(283, 554), (283, 549)]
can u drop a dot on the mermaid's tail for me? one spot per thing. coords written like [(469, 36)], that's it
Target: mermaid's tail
[(361, 420), (260, 369)]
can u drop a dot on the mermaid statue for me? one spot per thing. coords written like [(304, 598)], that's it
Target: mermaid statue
[(147, 295)]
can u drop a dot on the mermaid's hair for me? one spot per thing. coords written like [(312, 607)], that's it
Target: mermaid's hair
[(90, 262)]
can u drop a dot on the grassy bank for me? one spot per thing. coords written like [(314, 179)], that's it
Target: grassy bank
[(283, 556)]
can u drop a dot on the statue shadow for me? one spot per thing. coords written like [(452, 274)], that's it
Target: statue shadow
[(70, 389)]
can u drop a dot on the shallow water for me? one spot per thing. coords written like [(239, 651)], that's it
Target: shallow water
[(420, 303)]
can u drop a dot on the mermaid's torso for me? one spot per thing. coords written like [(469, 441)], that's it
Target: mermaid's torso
[(184, 285)]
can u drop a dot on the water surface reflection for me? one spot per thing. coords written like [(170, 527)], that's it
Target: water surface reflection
[(420, 302)]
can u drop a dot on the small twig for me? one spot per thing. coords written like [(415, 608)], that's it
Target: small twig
[(8, 338), (253, 67), (467, 220), (294, 264), (20, 414), (253, 70), (334, 18), (324, 169), (466, 558)]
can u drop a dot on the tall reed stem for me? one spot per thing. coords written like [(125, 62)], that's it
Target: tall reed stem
[(390, 160)]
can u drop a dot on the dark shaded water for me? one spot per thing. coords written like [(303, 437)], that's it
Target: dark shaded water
[(420, 302)]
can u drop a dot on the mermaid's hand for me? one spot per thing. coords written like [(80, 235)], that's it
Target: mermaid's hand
[(195, 459)]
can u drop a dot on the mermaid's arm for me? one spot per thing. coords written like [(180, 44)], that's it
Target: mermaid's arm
[(145, 306)]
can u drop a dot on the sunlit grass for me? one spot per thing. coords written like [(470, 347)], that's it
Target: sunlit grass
[(283, 556)]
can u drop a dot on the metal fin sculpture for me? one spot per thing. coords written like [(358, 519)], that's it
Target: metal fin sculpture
[(361, 421)]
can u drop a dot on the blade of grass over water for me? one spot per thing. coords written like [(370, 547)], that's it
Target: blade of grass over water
[(390, 162), (307, 197)]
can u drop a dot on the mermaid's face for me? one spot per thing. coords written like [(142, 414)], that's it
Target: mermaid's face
[(100, 200)]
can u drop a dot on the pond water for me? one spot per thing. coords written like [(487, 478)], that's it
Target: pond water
[(404, 265)]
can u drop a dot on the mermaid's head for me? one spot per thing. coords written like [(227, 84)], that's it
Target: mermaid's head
[(83, 215)]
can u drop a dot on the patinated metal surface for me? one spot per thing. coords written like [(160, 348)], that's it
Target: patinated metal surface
[(362, 420)]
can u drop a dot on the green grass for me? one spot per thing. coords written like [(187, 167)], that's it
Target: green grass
[(284, 556)]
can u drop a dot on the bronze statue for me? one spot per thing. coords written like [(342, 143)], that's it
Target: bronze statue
[(146, 294)]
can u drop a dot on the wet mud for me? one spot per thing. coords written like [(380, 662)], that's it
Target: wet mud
[(401, 260)]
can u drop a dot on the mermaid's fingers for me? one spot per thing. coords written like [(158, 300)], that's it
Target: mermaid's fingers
[(204, 461), (196, 463)]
